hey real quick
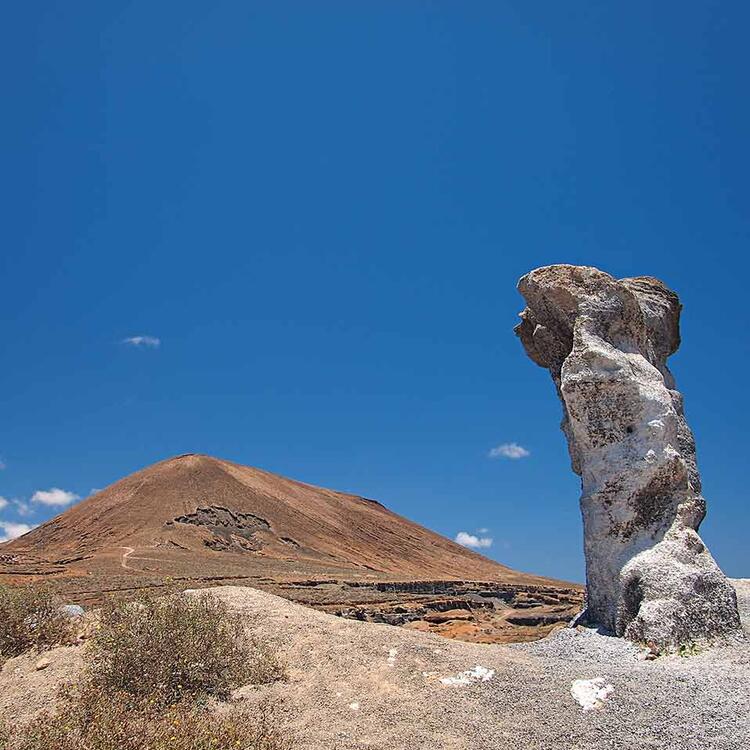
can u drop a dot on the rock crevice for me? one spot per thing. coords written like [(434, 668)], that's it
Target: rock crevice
[(606, 342)]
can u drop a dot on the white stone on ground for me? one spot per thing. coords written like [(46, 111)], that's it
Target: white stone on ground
[(470, 676), (591, 693)]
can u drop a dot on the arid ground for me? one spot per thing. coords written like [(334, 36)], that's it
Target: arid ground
[(356, 685)]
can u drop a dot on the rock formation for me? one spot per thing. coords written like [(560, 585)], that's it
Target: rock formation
[(606, 342)]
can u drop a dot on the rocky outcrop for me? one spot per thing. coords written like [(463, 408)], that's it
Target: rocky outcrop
[(231, 530), (606, 342), (482, 612)]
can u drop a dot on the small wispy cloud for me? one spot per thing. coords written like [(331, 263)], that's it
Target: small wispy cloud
[(10, 530), (509, 450), (471, 540), (3, 465), (22, 508), (54, 497), (147, 342)]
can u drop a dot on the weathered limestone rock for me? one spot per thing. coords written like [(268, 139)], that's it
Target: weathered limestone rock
[(606, 343)]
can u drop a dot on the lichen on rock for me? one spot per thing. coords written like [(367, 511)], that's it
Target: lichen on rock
[(606, 342)]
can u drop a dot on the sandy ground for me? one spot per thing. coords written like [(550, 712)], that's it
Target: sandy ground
[(355, 685)]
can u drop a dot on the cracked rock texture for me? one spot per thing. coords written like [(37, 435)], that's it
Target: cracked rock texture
[(606, 342)]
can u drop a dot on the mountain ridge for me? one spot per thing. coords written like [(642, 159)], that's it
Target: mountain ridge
[(221, 511)]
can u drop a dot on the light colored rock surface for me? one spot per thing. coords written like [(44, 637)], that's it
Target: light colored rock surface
[(742, 587), (25, 690), (43, 663), (606, 342), (74, 611), (393, 677)]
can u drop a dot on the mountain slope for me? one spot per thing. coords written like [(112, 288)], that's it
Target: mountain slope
[(196, 514)]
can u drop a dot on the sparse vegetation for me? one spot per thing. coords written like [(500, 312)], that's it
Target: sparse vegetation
[(176, 648), (92, 721), (688, 649), (30, 618), (153, 665)]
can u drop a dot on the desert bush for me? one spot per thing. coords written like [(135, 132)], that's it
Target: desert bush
[(176, 648), (30, 617), (90, 720), (152, 665)]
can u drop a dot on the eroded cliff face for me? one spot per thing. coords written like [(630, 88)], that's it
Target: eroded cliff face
[(606, 342)]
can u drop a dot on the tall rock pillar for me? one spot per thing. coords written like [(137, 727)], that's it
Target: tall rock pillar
[(606, 342)]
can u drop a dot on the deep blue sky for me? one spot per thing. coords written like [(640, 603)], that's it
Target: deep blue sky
[(322, 209)]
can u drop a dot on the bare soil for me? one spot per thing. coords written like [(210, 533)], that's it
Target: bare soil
[(356, 685)]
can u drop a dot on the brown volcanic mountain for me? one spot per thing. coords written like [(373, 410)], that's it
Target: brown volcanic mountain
[(195, 520), (204, 513)]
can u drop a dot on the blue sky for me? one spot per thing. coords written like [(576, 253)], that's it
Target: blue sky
[(321, 211)]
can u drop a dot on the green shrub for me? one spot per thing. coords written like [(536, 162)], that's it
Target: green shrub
[(176, 648), (30, 618)]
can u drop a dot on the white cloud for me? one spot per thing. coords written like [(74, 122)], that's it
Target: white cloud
[(10, 530), (475, 542), (150, 342), (509, 450), (22, 508), (483, 531), (54, 496), (3, 465)]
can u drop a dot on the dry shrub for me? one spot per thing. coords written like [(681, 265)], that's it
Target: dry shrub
[(30, 617), (176, 648), (154, 662), (92, 721)]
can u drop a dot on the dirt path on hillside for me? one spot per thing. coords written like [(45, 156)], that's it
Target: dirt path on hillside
[(125, 555)]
